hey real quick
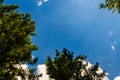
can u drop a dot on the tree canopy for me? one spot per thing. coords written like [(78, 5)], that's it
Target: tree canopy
[(65, 67), (113, 5), (16, 46)]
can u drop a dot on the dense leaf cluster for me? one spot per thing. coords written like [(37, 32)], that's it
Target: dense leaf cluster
[(66, 67), (15, 42), (113, 5)]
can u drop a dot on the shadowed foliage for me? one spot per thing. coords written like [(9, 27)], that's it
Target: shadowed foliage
[(65, 67), (113, 5), (15, 42)]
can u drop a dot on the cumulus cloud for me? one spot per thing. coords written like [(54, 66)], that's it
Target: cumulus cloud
[(42, 71), (40, 2), (25, 68), (117, 78), (105, 78), (89, 66)]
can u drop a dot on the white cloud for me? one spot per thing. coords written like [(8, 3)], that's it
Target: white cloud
[(117, 78), (42, 71), (105, 78), (40, 2), (45, 0), (113, 47), (18, 77), (99, 71), (89, 66), (25, 68)]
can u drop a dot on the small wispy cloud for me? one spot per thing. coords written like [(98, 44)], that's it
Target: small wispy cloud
[(45, 0), (113, 47), (117, 78), (110, 33), (40, 2), (115, 42)]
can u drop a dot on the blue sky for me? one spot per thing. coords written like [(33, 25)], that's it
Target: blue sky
[(78, 25)]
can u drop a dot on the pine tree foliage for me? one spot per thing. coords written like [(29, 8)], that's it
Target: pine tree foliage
[(113, 5), (65, 67), (15, 42)]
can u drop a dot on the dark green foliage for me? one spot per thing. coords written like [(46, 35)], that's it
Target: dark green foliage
[(32, 75), (15, 42), (65, 67), (113, 5), (62, 66)]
